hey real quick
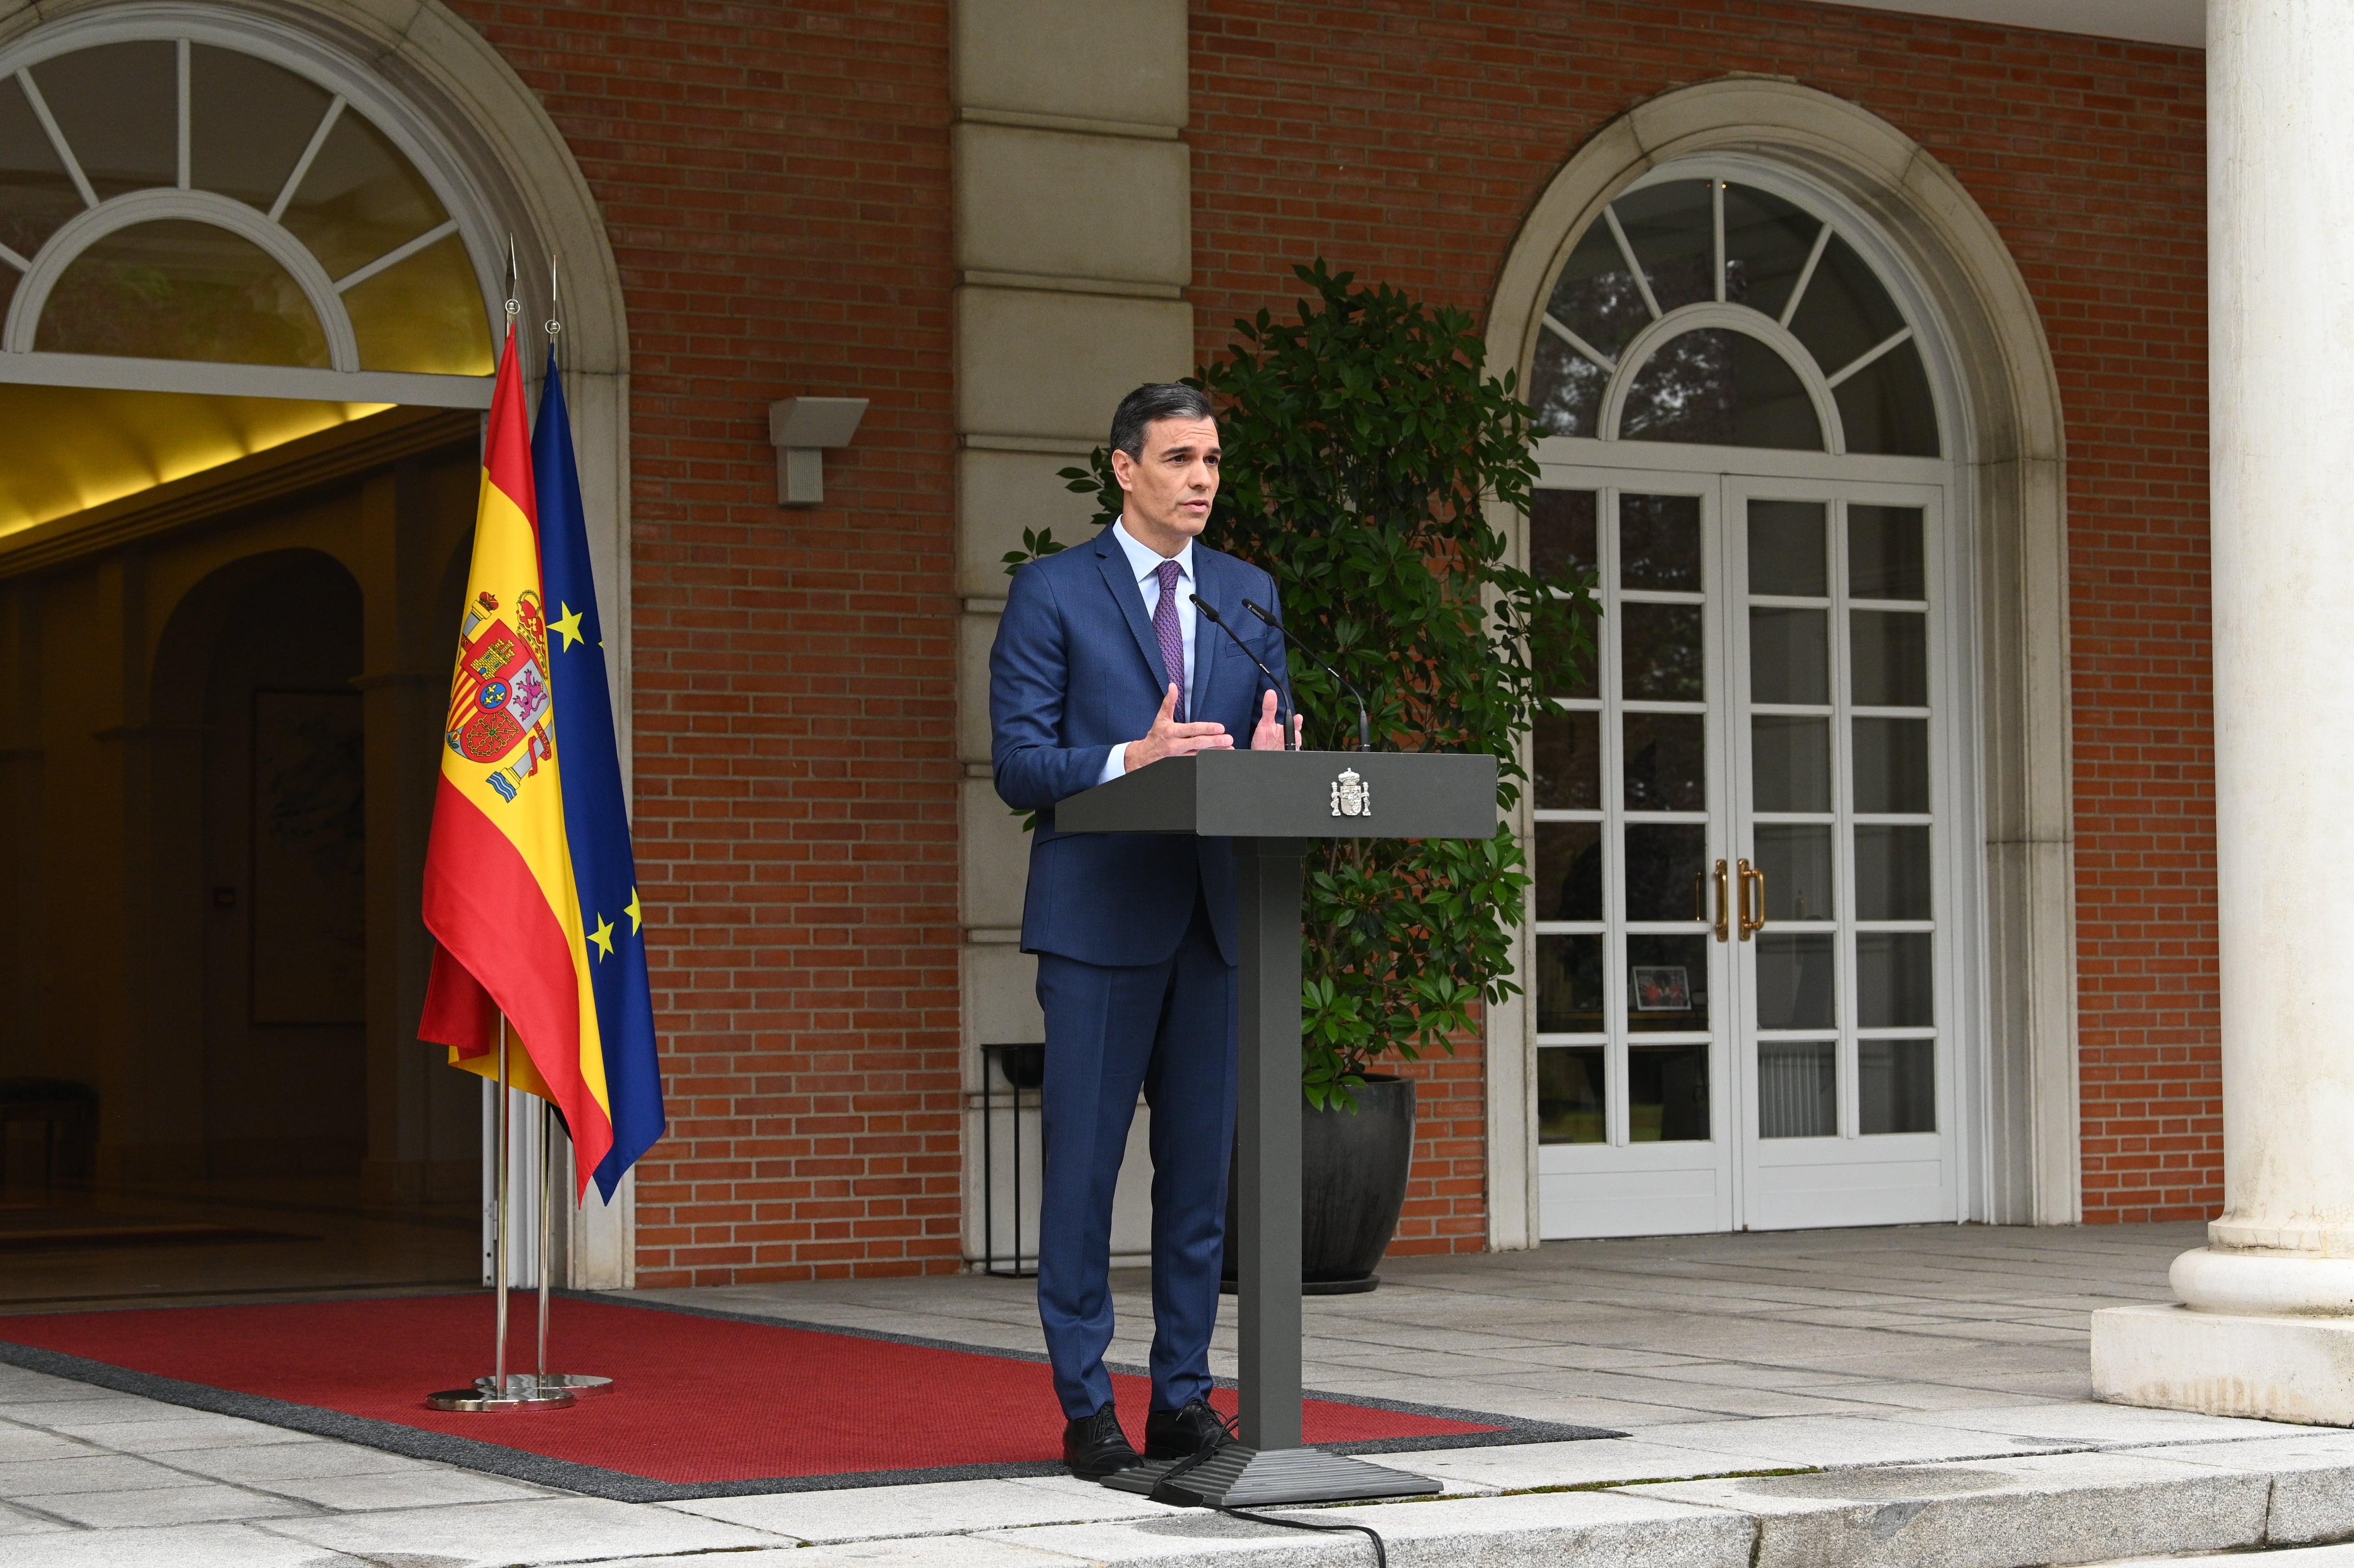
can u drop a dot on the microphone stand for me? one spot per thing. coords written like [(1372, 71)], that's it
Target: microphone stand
[(1364, 724), (1281, 689)]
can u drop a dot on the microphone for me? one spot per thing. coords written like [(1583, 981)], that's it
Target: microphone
[(1283, 711), (1365, 724)]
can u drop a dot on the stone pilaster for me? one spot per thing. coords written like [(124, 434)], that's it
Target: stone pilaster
[(1074, 249)]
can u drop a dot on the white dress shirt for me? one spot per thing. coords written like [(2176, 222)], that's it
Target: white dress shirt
[(1145, 562)]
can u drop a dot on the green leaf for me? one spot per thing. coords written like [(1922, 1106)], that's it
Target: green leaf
[(1362, 442), (1037, 544)]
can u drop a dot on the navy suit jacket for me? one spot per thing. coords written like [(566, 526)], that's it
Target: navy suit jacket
[(1076, 669)]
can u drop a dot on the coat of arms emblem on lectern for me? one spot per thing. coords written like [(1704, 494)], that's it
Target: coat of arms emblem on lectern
[(1351, 797)]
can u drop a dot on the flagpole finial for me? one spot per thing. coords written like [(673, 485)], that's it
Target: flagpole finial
[(514, 305), (554, 323)]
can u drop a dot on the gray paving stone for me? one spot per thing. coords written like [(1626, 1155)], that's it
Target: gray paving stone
[(491, 1535), (162, 1428), (181, 1546), (2058, 1507), (1916, 1396), (921, 1552), (1844, 1440), (268, 1463), (84, 1471), (1543, 1531), (1525, 1466), (946, 1508), (89, 1407), (401, 1490), (1823, 1380), (32, 1443), (1604, 1358), (15, 1521), (2088, 1421), (20, 1386), (2312, 1476), (200, 1504), (1426, 1363), (2297, 1557)]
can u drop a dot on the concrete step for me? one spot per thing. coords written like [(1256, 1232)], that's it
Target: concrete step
[(2009, 1512)]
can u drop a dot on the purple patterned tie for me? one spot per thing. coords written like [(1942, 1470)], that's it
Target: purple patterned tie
[(1172, 641)]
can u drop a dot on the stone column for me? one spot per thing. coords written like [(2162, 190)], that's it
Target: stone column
[(2266, 1324)]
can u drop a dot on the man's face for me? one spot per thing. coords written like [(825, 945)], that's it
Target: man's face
[(1170, 491)]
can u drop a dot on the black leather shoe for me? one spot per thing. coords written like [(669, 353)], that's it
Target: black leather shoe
[(1095, 1446), (1180, 1433)]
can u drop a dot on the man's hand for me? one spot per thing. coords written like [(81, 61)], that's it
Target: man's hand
[(1269, 735), (1167, 738)]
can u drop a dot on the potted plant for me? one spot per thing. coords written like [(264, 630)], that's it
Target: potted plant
[(1364, 445)]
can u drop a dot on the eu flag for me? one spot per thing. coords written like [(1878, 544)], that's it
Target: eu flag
[(595, 818)]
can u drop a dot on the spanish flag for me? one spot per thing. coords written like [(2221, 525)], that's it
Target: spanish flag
[(500, 898)]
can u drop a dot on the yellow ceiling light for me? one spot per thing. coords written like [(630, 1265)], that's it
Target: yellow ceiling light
[(66, 448)]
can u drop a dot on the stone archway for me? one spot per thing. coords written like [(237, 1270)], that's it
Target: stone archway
[(257, 1050), (431, 77)]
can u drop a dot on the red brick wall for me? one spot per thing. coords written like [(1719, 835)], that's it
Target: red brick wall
[(1406, 139), (775, 186), (1446, 1195)]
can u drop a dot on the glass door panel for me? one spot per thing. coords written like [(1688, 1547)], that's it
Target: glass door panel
[(1629, 793), (1739, 985), (1834, 822)]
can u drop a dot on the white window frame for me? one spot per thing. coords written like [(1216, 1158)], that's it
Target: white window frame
[(343, 380)]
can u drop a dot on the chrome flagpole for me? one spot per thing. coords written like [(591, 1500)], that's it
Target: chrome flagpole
[(505, 1158), (566, 1384), (569, 1383), (496, 1393)]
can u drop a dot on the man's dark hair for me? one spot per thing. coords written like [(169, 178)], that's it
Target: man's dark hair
[(1155, 400)]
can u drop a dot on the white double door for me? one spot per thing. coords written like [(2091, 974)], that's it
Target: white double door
[(1744, 989)]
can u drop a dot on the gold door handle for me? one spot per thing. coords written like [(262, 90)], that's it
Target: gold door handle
[(1723, 903), (1751, 877)]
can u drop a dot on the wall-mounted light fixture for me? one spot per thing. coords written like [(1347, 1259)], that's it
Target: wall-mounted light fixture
[(800, 428)]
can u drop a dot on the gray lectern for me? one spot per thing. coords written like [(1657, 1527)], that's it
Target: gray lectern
[(1271, 803)]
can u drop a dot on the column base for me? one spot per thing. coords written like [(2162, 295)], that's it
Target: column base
[(2298, 1370)]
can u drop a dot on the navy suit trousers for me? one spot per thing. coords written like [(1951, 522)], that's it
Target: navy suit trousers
[(1168, 1029)]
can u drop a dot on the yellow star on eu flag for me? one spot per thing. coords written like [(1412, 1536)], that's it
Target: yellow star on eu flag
[(637, 916), (570, 626), (603, 937)]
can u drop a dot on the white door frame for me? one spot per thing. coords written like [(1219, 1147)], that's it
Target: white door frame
[(1626, 1178), (1982, 342)]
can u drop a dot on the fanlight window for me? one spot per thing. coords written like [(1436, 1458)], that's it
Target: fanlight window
[(205, 253), (1701, 310), (170, 199)]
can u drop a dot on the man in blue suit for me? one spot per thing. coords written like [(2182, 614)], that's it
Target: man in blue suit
[(1103, 665)]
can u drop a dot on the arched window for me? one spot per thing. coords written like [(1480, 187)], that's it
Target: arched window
[(1709, 311), (210, 244)]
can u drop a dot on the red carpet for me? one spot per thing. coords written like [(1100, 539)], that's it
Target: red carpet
[(699, 1400)]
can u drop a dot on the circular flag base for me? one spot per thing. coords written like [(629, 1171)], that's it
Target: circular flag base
[(574, 1382), (479, 1399)]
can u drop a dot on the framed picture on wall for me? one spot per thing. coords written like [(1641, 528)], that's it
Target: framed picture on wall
[(1662, 987)]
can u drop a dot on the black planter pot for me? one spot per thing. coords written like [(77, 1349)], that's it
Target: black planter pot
[(1354, 1169)]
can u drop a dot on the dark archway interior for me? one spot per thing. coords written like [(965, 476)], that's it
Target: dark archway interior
[(256, 1116)]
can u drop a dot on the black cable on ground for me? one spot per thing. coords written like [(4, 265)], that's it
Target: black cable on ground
[(1381, 1558)]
